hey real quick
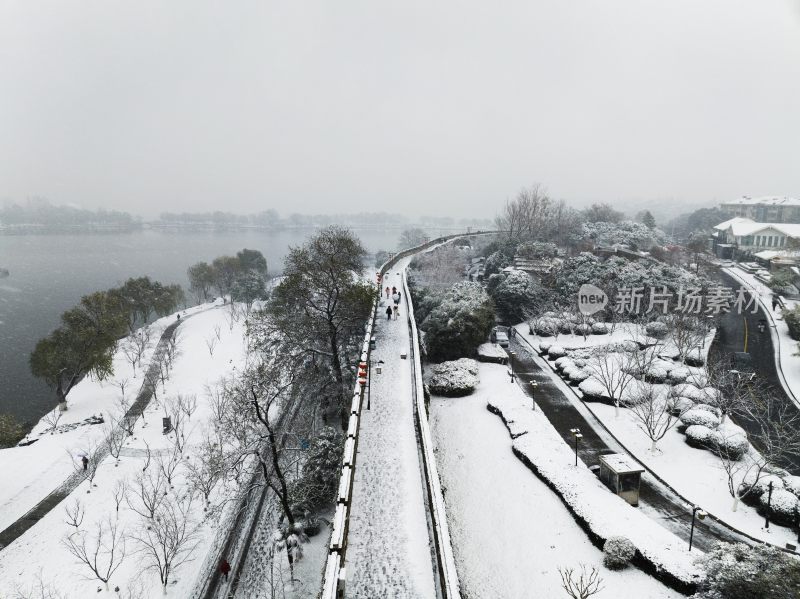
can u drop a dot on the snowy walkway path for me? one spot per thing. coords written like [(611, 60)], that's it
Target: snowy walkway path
[(389, 548), (18, 528)]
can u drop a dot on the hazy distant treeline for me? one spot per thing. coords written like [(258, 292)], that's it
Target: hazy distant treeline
[(39, 212), (272, 220)]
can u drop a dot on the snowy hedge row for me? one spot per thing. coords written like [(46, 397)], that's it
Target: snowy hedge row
[(599, 512)]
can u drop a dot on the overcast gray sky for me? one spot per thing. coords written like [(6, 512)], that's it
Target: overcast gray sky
[(414, 107)]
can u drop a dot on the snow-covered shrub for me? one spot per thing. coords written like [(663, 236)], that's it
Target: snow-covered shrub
[(688, 390), (495, 263), (460, 323), (730, 440), (515, 295), (618, 552), (656, 374), (583, 329), (714, 410), (454, 379), (593, 390), (703, 417), (738, 571), (695, 358), (556, 351), (678, 405), (563, 362), (578, 375), (544, 346), (599, 328), (711, 395), (579, 362), (782, 506), (566, 327), (678, 375), (751, 493), (669, 353), (548, 327), (656, 329), (698, 435), (792, 483)]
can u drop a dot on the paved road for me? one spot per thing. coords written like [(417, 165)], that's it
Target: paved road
[(655, 498), (731, 338)]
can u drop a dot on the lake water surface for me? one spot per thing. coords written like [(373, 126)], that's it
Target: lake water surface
[(50, 273)]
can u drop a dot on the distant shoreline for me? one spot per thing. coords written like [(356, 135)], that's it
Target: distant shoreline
[(89, 229)]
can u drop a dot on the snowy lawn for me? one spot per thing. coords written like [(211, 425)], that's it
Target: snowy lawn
[(510, 532), (696, 474), (40, 548)]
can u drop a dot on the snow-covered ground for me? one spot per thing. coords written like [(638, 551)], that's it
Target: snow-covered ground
[(696, 474), (31, 472), (785, 347), (510, 532), (46, 464)]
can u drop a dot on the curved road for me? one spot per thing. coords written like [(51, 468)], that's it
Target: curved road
[(730, 338)]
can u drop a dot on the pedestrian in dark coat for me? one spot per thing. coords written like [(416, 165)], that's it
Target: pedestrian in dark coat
[(775, 303), (224, 567), (388, 312), (85, 462), (394, 290)]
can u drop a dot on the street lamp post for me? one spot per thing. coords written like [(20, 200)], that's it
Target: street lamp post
[(378, 370), (696, 511), (769, 507), (576, 432), (533, 385)]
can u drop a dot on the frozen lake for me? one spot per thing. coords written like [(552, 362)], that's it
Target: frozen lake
[(50, 273)]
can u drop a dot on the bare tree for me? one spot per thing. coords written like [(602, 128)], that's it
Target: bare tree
[(120, 490), (582, 584), (51, 419), (114, 439), (168, 464), (218, 396), (686, 331), (614, 370), (135, 346), (207, 468), (102, 552), (121, 384), (75, 513), (169, 539), (218, 332), (187, 404), (146, 494), (652, 412), (774, 440), (148, 456), (531, 215), (211, 343), (39, 589)]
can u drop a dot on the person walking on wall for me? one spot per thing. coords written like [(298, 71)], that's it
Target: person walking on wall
[(224, 568)]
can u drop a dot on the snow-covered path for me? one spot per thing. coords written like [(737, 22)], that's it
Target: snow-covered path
[(510, 532), (389, 549)]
